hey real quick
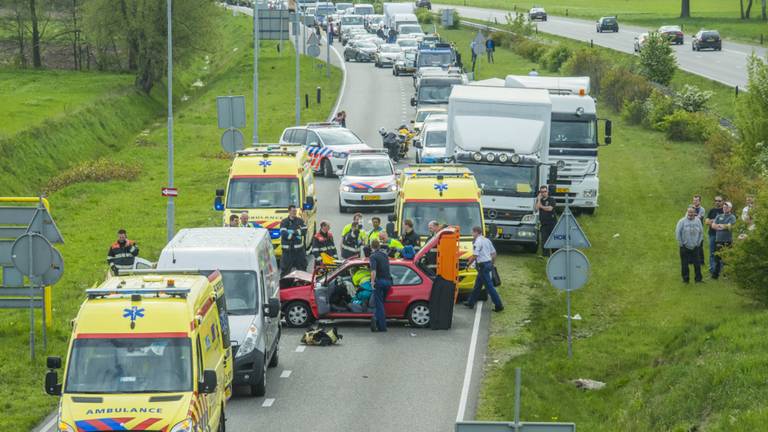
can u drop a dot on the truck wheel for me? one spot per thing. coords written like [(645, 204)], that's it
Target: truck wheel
[(588, 211), (222, 421), (419, 314), (532, 248), (297, 314), (260, 389)]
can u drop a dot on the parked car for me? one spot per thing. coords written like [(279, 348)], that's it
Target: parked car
[(640, 41), (351, 34), (405, 63), (424, 4), (608, 24), (537, 14), (387, 55), (707, 39), (673, 33), (408, 44)]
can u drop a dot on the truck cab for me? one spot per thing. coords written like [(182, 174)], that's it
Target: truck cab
[(264, 181), (434, 87)]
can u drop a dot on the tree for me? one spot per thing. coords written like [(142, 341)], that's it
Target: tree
[(685, 8), (752, 112), (763, 13), (657, 59), (748, 11)]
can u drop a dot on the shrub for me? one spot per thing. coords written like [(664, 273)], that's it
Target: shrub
[(657, 60), (519, 25), (692, 98), (752, 110), (684, 126), (425, 16), (530, 49), (656, 108), (748, 259), (633, 112), (99, 170), (456, 19), (720, 146), (620, 86), (587, 62), (501, 39), (554, 57)]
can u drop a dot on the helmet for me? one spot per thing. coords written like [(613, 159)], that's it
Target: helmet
[(382, 131)]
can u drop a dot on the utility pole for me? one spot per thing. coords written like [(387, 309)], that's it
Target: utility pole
[(328, 51), (171, 205), (298, 69), (255, 72)]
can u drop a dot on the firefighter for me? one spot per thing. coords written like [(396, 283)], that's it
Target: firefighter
[(353, 237), (322, 242), (122, 253), (292, 242)]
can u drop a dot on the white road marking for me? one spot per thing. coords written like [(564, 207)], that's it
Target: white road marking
[(285, 374), (268, 402), (301, 348), (49, 426), (470, 363), (343, 86)]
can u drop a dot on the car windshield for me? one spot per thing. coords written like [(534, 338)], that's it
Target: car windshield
[(465, 215), (390, 48), (571, 134), (364, 10), (407, 43), (366, 45), (130, 365), (369, 167), (343, 6), (338, 136), (324, 10), (423, 114), (351, 20), (261, 192), (609, 21), (410, 29), (241, 292), (435, 59), (435, 139), (505, 180), (435, 93)]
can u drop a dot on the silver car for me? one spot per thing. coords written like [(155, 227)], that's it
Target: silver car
[(387, 55)]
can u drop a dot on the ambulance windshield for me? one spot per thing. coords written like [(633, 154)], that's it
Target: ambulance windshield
[(261, 192), (463, 214), (128, 365)]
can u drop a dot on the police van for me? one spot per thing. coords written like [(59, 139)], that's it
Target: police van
[(445, 193), (264, 181), (148, 351)]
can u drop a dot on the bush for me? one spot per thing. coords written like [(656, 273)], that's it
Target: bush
[(587, 62), (657, 60), (425, 16), (748, 259), (519, 25), (456, 19), (692, 99), (554, 57), (656, 108), (684, 126), (719, 147), (633, 112), (620, 86), (752, 111), (530, 49), (99, 170), (502, 39)]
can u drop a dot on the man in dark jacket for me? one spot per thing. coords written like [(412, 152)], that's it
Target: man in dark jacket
[(381, 280), (292, 242), (122, 253), (353, 237), (322, 242), (409, 237), (545, 204)]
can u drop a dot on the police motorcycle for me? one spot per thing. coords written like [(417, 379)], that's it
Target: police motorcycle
[(398, 142)]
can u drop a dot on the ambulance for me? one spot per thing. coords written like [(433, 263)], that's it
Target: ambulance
[(264, 181), (448, 194), (148, 351)]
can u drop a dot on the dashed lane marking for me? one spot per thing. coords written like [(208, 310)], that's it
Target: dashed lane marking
[(301, 348), (268, 402), (285, 374)]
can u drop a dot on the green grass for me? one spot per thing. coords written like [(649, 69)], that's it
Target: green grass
[(719, 14), (89, 213), (675, 357)]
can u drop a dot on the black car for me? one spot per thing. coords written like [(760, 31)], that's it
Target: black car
[(537, 14), (673, 33), (424, 4), (607, 24), (707, 39), (360, 51)]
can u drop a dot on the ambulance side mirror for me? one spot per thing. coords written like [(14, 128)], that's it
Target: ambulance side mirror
[(417, 143), (608, 131), (52, 386), (309, 203), (218, 202), (413, 101), (209, 383)]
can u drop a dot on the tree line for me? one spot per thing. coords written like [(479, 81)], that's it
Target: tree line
[(105, 35), (746, 12)]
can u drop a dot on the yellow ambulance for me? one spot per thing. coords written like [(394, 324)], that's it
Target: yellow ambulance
[(264, 181), (148, 352), (448, 194)]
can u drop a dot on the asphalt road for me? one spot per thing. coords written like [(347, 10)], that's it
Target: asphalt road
[(728, 66)]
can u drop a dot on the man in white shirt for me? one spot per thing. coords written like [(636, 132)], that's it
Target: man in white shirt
[(483, 255)]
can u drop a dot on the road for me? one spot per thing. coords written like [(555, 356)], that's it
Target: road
[(728, 66)]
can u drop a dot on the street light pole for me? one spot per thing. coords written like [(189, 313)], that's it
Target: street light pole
[(171, 205), (298, 68), (255, 72)]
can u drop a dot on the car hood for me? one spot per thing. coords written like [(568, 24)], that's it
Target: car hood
[(125, 411), (364, 183), (300, 276)]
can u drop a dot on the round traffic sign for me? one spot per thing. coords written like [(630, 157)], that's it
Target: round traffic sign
[(313, 50), (568, 269), (56, 270), (232, 140), (32, 254)]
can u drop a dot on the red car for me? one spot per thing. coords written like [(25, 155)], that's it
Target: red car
[(307, 297)]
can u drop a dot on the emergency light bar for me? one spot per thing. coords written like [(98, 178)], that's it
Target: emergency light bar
[(170, 291), (367, 151), (268, 152)]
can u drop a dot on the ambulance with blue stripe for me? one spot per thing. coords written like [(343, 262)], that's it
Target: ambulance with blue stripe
[(149, 352)]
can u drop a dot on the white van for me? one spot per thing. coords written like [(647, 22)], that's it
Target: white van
[(247, 263)]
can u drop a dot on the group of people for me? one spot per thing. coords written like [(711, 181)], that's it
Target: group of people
[(720, 223)]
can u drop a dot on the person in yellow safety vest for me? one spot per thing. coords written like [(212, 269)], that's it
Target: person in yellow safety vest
[(362, 280), (353, 237), (377, 228), (390, 246), (323, 242)]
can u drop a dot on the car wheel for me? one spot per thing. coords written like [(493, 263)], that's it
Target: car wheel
[(419, 314), (260, 389), (297, 314), (222, 421), (327, 168)]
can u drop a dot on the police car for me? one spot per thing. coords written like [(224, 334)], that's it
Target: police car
[(368, 180), (327, 144)]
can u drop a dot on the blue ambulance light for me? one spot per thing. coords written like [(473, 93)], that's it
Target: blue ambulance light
[(274, 234)]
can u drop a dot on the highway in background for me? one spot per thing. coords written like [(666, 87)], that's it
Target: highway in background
[(728, 66)]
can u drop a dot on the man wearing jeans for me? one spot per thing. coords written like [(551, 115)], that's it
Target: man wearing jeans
[(381, 279), (483, 254), (711, 215), (689, 234), (723, 226)]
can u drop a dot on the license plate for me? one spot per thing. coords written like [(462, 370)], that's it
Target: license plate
[(562, 190), (371, 197)]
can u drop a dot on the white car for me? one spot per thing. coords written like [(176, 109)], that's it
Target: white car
[(327, 145), (431, 145), (410, 31), (387, 55), (408, 44), (368, 180), (423, 113)]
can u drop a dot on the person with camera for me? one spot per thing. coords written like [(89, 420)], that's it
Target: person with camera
[(545, 204), (122, 253)]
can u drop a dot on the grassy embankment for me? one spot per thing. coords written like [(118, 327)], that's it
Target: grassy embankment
[(89, 213), (718, 14), (674, 356)]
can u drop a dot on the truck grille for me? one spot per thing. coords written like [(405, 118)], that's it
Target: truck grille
[(509, 215), (574, 168)]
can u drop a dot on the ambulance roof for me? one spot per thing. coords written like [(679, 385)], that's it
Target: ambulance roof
[(259, 161), (421, 182)]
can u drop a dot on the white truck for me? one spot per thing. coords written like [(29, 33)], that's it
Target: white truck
[(502, 135), (393, 9), (574, 139)]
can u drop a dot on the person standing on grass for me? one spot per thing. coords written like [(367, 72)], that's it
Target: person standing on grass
[(700, 215), (689, 234), (711, 215), (490, 47), (484, 255), (545, 204), (723, 226)]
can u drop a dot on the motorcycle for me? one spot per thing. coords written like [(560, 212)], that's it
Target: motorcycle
[(393, 142), (406, 139)]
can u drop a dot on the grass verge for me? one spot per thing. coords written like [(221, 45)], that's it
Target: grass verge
[(89, 213), (675, 357)]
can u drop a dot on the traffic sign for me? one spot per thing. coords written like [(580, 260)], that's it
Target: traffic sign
[(232, 140), (230, 111), (32, 254), (568, 264), (313, 50), (56, 270), (170, 192), (567, 232), (312, 39)]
